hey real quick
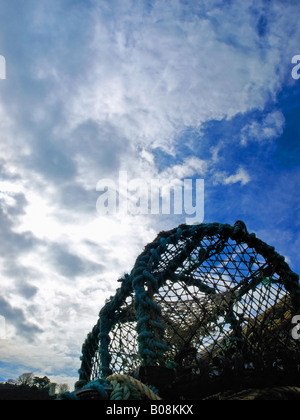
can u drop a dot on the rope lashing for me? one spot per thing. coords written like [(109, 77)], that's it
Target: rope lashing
[(115, 388), (211, 298), (122, 383)]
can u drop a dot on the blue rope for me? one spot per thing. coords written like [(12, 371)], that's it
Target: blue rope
[(145, 280)]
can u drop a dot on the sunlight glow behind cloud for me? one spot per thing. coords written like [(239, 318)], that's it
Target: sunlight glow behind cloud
[(166, 90)]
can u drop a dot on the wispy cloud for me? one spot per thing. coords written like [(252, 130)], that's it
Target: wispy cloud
[(241, 176), (168, 90), (269, 128), (17, 318)]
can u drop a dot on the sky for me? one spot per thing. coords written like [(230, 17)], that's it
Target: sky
[(157, 89)]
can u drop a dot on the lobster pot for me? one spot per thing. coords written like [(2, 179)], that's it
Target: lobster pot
[(208, 305), (112, 345)]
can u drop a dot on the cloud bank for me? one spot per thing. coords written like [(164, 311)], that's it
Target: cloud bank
[(168, 90)]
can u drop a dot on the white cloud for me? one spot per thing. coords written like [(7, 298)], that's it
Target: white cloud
[(241, 176), (82, 107), (190, 167), (155, 78), (270, 128)]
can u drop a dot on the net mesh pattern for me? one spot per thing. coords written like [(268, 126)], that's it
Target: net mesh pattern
[(219, 301)]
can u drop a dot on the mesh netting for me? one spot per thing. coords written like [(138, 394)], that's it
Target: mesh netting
[(210, 297)]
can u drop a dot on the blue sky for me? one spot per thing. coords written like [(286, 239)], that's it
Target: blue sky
[(166, 89)]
